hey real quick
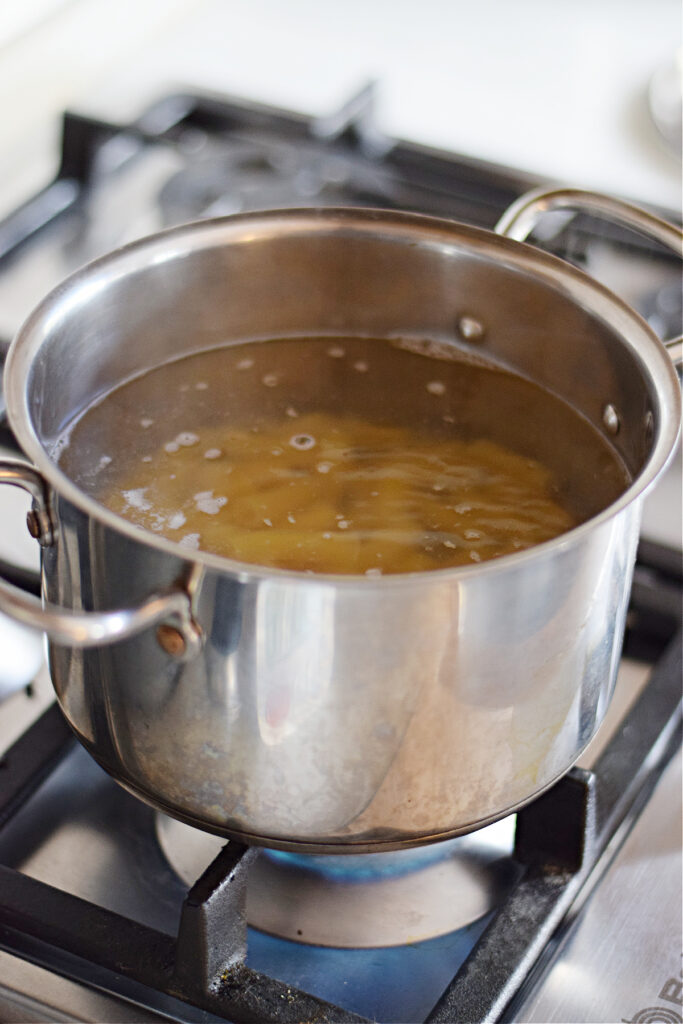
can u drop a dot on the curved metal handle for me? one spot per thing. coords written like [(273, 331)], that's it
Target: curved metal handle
[(178, 634), (519, 220)]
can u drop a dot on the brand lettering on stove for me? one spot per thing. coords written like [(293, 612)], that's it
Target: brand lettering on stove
[(671, 992)]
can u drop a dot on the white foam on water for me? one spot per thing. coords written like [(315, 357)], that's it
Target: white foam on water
[(190, 540), (136, 499), (176, 521), (207, 503)]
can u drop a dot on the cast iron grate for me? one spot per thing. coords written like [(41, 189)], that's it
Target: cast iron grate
[(560, 841)]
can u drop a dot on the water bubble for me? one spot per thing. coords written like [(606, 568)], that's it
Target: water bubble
[(449, 544), (475, 556), (448, 419), (176, 521), (324, 467), (146, 422), (146, 458), (302, 442), (462, 509), (436, 387), (373, 572), (186, 438), (276, 451), (327, 536), (245, 364), (104, 461), (291, 519), (336, 351), (268, 522), (361, 366), (270, 380), (472, 535), (291, 412), (184, 387), (213, 453), (171, 447), (343, 524), (201, 385)]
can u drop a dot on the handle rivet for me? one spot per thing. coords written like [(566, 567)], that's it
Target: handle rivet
[(611, 419), (470, 328), (33, 524), (171, 640)]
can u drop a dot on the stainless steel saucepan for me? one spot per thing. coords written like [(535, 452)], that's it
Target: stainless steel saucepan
[(410, 708)]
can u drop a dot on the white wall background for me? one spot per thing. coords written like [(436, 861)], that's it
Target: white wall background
[(556, 87)]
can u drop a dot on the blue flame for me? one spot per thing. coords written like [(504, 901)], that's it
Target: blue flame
[(364, 867)]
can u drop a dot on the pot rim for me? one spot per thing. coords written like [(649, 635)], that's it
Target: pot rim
[(645, 346)]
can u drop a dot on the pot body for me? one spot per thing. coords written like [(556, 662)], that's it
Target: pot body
[(340, 713)]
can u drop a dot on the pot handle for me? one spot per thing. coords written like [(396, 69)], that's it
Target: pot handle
[(521, 217), (171, 611)]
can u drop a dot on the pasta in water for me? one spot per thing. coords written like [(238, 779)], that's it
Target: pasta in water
[(341, 456)]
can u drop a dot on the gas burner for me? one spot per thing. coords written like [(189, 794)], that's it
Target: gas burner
[(267, 174), (361, 901)]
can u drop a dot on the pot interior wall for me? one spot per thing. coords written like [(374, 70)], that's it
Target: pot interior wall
[(224, 282)]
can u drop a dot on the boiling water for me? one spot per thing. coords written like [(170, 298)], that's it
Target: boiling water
[(347, 455)]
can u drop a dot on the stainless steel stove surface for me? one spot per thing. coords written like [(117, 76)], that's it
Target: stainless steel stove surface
[(570, 912)]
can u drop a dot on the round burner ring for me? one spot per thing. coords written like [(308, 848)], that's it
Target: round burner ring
[(361, 900)]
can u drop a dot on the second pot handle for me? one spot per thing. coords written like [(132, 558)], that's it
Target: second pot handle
[(171, 611), (521, 217)]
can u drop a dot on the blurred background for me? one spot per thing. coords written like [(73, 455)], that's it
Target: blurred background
[(563, 89)]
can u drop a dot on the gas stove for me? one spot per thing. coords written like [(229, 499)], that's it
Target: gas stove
[(568, 911)]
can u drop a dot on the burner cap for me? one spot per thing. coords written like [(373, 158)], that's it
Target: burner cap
[(361, 900)]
